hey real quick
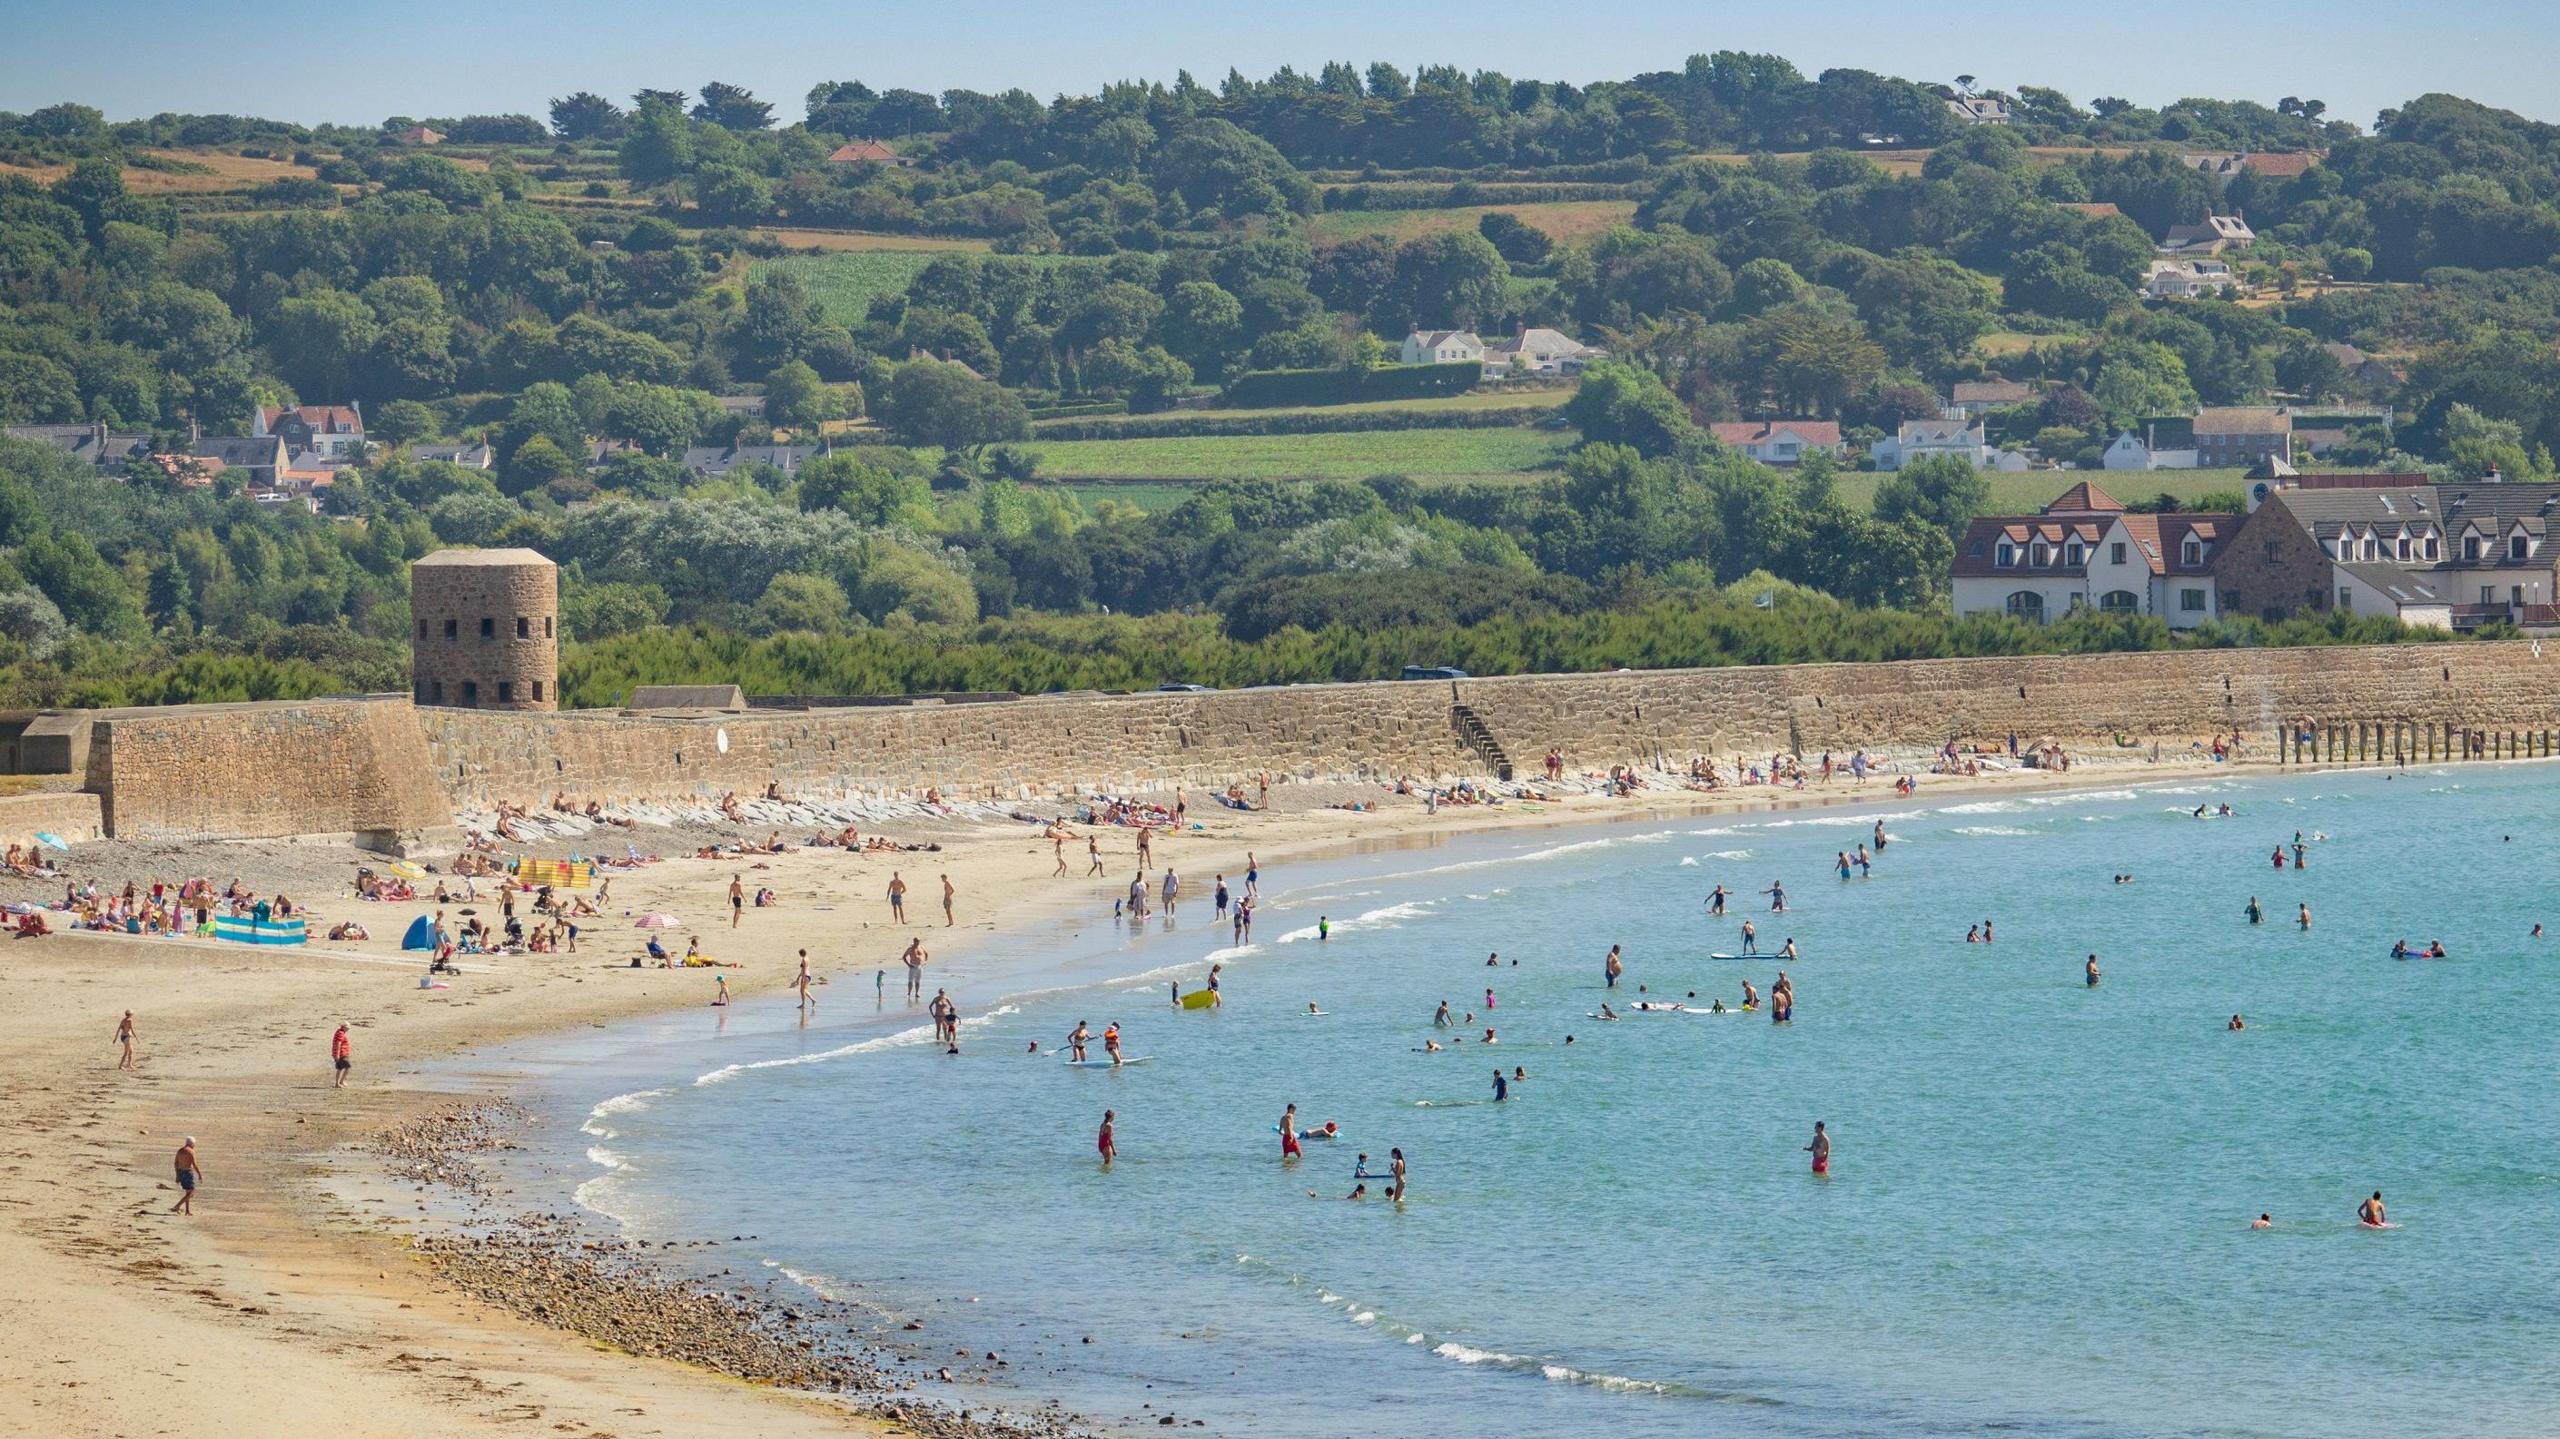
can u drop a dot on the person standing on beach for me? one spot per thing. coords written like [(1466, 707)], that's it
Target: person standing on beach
[(341, 1058), (947, 893), (1093, 855), (1138, 895), (1220, 897), (1244, 919), (1172, 888), (914, 959), (801, 983), (1612, 967), (1146, 845), (1289, 1134), (897, 898), (191, 1174), (124, 1041), (1107, 1142), (1058, 847), (1252, 866), (1820, 1149), (737, 899)]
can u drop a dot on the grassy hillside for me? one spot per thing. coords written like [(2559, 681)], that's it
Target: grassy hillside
[(846, 281), (1471, 401), (2026, 493)]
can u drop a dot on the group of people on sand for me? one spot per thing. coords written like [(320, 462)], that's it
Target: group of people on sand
[(156, 909)]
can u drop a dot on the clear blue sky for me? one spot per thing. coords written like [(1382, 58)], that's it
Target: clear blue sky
[(305, 61)]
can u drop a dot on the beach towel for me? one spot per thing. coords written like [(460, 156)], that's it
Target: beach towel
[(237, 930)]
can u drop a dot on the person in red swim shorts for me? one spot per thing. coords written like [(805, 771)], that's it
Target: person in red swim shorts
[(1820, 1149), (1289, 1134)]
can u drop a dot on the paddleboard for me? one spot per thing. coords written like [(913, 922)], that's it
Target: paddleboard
[(1315, 1013), (1107, 1064), (1200, 999), (1719, 954), (1309, 1136)]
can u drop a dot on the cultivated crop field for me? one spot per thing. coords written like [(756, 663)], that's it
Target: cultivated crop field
[(2021, 494), (1566, 221)]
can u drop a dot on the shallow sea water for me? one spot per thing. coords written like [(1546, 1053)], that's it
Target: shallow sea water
[(2038, 1216)]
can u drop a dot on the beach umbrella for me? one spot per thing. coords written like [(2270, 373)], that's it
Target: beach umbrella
[(657, 921), (406, 870), (50, 840)]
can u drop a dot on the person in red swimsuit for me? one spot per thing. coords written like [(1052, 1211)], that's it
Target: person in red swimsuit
[(1820, 1148), (1109, 1146), (1289, 1134)]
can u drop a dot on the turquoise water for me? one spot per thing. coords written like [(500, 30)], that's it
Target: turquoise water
[(2038, 1216)]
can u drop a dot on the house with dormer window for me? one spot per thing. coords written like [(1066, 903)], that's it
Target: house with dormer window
[(2452, 556), (2087, 551)]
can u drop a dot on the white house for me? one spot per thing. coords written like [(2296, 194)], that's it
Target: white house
[(2130, 451), (2217, 234), (1979, 109), (2187, 279), (2084, 551), (1535, 351), (1780, 442), (1930, 439), (1443, 347), (315, 436)]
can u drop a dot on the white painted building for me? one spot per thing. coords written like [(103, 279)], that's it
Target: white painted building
[(1443, 347)]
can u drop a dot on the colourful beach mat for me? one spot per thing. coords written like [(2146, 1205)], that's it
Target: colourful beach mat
[(242, 930), (558, 873)]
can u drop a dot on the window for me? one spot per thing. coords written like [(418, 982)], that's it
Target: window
[(449, 631), (2488, 594), (2191, 600), (537, 691), (2026, 605), (2008, 554), (2471, 547), (506, 690), (2074, 555), (2346, 598), (488, 628), (471, 692), (2040, 555), (524, 628), (2370, 552), (2515, 594), (2115, 553), (2516, 546), (546, 627), (2191, 553), (2404, 547), (2431, 547), (2119, 602)]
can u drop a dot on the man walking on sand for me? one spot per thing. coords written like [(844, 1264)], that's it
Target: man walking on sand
[(737, 899), (1146, 845), (190, 1174), (897, 898), (947, 893), (124, 1040), (341, 1058), (1093, 854)]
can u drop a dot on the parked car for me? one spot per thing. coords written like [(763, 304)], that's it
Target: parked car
[(1183, 688), (1433, 672)]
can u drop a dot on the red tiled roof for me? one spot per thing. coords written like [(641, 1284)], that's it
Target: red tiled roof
[(1753, 432), (853, 150), (2282, 166), (2097, 210), (2084, 498)]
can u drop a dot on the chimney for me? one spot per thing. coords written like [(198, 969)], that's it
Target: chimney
[(195, 431), (98, 431)]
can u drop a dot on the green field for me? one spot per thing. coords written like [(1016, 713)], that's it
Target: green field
[(2023, 494), (1473, 400), (1422, 454), (1152, 496), (845, 282)]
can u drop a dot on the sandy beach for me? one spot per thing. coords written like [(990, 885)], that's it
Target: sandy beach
[(276, 1307)]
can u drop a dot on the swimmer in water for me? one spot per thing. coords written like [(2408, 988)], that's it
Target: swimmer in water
[(2370, 1213), (1880, 839), (1719, 1009), (1973, 935), (2262, 1222), (2093, 971), (1078, 1040), (1606, 1012), (1750, 997), (1311, 1007), (1986, 931), (2304, 918), (2236, 1024), (1324, 928), (1788, 950), (1820, 1149), (2256, 915), (1501, 1087), (1489, 1037), (1432, 1046), (1440, 1018), (1715, 901), (1777, 892)]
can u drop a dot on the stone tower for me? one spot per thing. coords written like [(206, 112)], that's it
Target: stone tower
[(488, 630)]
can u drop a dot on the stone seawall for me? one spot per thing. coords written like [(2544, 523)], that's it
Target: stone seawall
[(383, 767), (72, 816), (1134, 741), (249, 771)]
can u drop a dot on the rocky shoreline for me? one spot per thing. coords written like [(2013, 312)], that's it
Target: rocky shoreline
[(548, 1268)]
